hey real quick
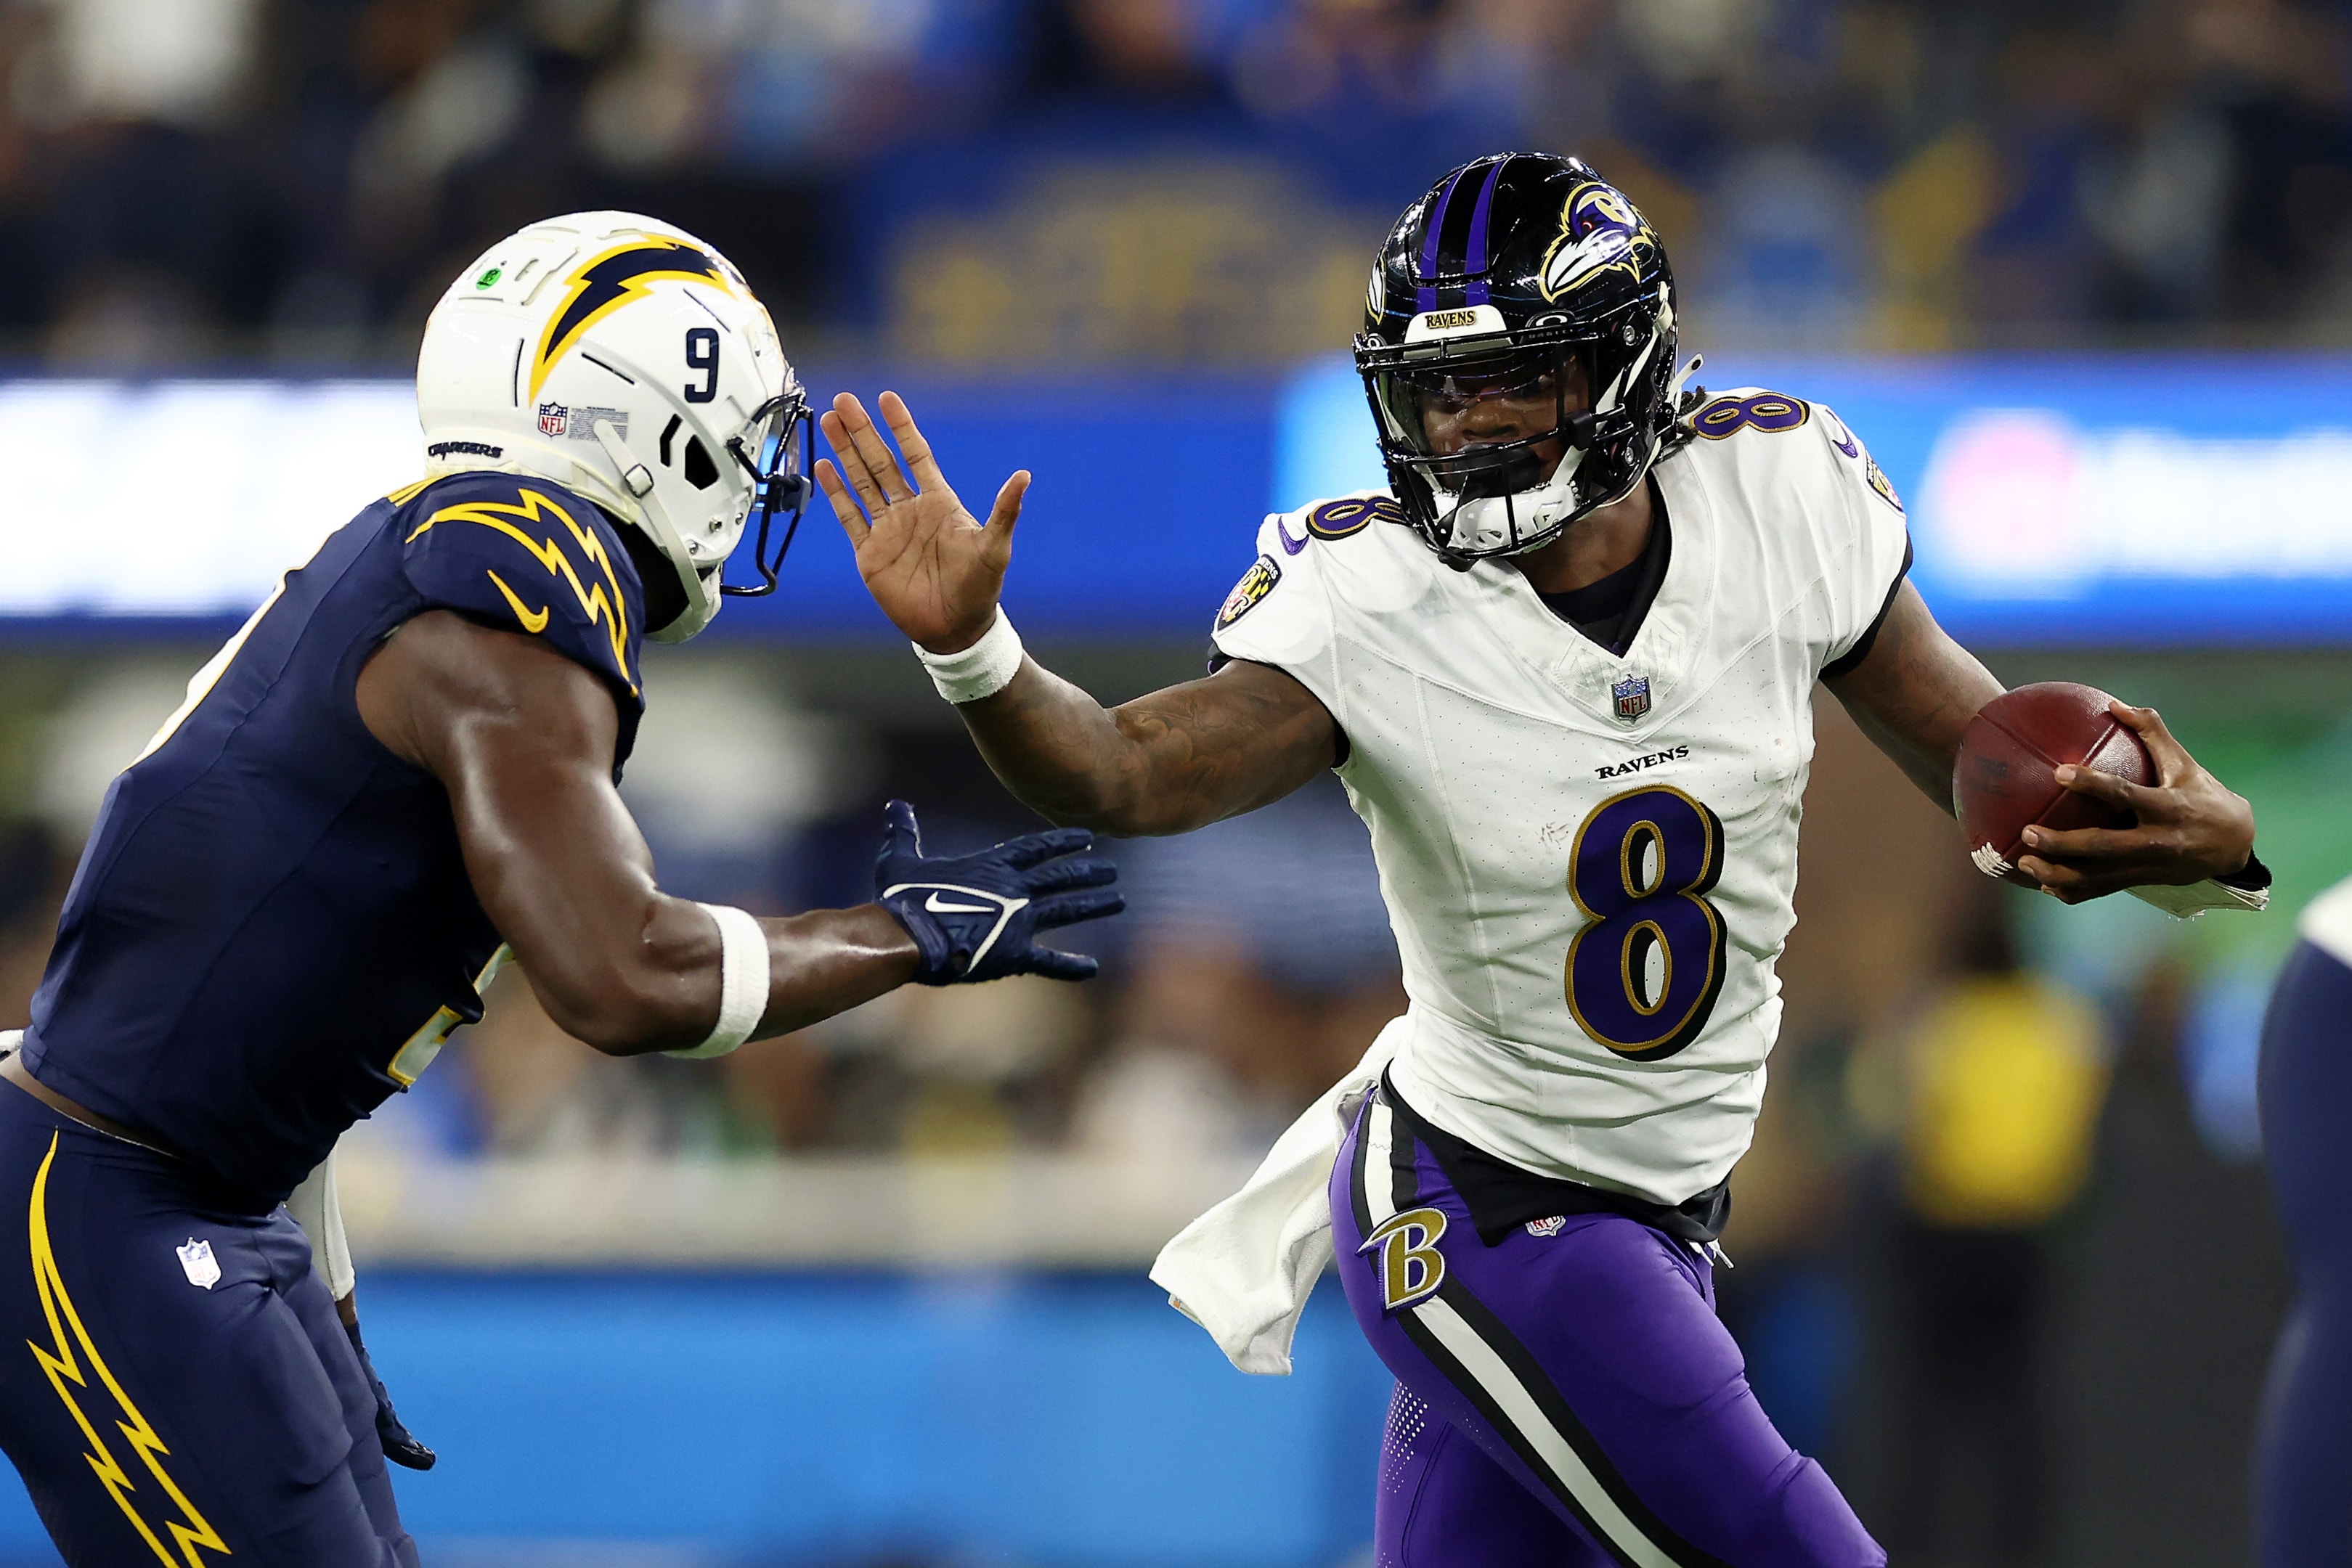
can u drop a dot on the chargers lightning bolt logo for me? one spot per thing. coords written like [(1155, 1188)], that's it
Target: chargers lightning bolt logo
[(78, 1373), (611, 280), (602, 608)]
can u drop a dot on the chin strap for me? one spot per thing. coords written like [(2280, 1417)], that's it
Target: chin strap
[(634, 476), (1682, 377)]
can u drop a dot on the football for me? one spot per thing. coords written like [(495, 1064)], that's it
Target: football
[(2005, 779)]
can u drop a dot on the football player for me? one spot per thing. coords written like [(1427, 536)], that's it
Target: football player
[(2304, 1451), (399, 775), (1565, 667)]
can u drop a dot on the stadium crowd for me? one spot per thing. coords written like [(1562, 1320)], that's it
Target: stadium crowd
[(1201, 180)]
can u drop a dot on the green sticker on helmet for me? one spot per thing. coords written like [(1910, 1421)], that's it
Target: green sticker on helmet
[(487, 277)]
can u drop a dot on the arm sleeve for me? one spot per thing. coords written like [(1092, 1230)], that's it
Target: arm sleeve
[(524, 556), (1865, 567), (1279, 613)]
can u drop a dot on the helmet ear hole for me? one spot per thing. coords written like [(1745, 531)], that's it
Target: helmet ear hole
[(700, 471)]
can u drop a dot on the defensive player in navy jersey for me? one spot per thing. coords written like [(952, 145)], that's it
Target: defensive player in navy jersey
[(397, 776)]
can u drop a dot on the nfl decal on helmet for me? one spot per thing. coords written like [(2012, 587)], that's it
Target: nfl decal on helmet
[(628, 361), (1514, 274)]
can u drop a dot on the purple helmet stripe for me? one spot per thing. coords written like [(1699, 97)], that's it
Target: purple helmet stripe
[(1476, 263), (1427, 292)]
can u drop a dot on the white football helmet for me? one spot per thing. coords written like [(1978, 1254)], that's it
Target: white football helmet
[(628, 361)]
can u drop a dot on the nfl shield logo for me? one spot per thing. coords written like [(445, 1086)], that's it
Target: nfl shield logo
[(554, 419), (196, 1261), (1632, 694)]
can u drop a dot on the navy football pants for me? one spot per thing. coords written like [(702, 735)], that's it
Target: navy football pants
[(2304, 1456), (153, 1419)]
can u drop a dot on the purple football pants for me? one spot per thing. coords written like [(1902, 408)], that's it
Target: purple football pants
[(1563, 1400)]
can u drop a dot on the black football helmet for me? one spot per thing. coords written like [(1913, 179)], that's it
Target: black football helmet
[(1513, 273)]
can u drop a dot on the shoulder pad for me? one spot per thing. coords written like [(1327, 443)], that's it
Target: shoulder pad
[(524, 555)]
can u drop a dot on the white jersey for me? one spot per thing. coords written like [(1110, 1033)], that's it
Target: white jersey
[(1590, 861)]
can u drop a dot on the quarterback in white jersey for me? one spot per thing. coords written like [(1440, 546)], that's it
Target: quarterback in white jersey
[(1565, 668), (1590, 857)]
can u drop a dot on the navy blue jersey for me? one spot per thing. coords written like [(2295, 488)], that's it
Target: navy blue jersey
[(271, 929)]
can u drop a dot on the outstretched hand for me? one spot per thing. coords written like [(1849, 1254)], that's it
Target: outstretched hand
[(978, 916), (934, 569), (2188, 827)]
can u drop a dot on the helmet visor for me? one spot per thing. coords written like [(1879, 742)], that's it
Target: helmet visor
[(1439, 408), (1483, 423)]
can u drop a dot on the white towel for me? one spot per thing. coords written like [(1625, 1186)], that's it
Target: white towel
[(318, 1208), (1244, 1270)]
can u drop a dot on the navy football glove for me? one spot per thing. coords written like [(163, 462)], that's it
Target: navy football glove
[(400, 1445), (977, 916)]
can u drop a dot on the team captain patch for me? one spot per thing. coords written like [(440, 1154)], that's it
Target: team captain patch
[(1255, 584)]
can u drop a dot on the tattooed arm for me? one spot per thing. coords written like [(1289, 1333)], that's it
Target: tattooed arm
[(1167, 763), (1914, 692)]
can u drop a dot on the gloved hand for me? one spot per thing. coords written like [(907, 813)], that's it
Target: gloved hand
[(977, 916), (400, 1445)]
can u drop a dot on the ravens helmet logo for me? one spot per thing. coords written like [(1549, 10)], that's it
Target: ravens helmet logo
[(1600, 232)]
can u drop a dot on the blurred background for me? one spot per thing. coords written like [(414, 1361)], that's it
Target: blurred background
[(2080, 271)]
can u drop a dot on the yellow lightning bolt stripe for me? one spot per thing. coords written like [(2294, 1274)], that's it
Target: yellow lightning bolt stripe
[(601, 608), (64, 1366), (407, 493), (552, 347)]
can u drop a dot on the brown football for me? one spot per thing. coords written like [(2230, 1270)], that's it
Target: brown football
[(2006, 776)]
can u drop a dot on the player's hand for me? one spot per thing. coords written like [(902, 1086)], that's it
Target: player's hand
[(2190, 828), (400, 1445), (934, 570), (977, 917)]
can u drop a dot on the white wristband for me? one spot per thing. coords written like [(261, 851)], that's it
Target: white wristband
[(983, 670), (742, 982)]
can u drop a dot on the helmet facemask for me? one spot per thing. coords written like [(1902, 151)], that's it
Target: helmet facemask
[(774, 453), (765, 465), (1504, 498)]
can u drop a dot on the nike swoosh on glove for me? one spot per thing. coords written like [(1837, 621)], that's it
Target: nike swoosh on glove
[(977, 916), (400, 1445)]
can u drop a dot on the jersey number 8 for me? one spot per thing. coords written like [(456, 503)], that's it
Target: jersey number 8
[(1644, 973)]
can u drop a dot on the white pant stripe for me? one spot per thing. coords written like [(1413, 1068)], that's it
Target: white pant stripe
[(1519, 1407), (1495, 1376), (1380, 1182)]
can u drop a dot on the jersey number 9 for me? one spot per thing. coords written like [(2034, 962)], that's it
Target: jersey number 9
[(703, 354), (1644, 973)]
